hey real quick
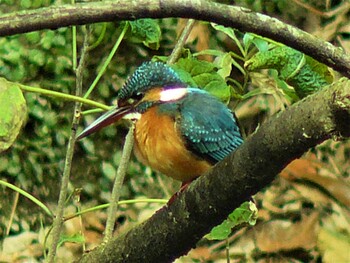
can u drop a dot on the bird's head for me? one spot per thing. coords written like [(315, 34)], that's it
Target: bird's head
[(152, 83)]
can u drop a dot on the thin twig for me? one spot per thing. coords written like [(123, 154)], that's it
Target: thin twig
[(181, 41), (27, 195), (77, 195), (123, 202), (74, 47), (13, 209), (126, 153), (108, 60), (58, 221), (63, 96), (74, 44), (118, 182)]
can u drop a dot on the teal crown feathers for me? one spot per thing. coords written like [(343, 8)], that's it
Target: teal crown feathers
[(147, 76)]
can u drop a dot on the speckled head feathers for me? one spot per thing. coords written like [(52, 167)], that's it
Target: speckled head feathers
[(147, 76)]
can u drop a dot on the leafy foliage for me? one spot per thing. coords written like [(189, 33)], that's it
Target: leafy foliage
[(302, 72), (38, 57), (204, 74), (246, 213), (145, 31)]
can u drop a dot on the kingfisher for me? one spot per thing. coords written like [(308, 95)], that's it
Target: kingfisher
[(180, 131)]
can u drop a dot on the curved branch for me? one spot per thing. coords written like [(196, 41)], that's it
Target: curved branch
[(231, 16), (174, 230)]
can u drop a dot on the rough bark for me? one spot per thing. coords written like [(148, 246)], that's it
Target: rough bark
[(175, 229), (236, 17)]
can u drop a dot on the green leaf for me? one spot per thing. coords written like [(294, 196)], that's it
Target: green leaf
[(261, 44), (246, 213), (230, 32), (224, 62), (310, 78), (37, 57), (76, 238), (13, 112), (248, 39), (89, 146), (25, 4), (33, 37), (47, 40), (214, 84), (185, 76), (4, 163), (205, 76), (109, 170), (289, 91), (11, 52), (211, 52), (227, 30), (194, 66), (146, 31), (302, 72), (221, 231)]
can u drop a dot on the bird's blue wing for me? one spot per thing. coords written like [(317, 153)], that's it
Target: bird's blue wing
[(208, 126)]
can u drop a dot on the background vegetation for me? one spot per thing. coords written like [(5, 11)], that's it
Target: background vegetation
[(303, 215)]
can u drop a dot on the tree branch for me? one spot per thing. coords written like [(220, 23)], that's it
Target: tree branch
[(58, 220), (175, 229), (231, 16)]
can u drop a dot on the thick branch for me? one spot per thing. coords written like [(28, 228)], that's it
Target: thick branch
[(174, 230), (231, 16)]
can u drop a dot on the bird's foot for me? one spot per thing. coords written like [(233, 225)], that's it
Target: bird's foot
[(183, 187)]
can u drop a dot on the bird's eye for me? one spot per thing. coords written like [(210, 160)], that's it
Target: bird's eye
[(137, 97), (134, 99)]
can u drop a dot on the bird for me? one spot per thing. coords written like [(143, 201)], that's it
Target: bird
[(180, 131)]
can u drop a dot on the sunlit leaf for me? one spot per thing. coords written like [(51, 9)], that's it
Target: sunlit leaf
[(37, 57), (109, 170), (76, 238), (205, 75), (33, 37), (146, 31), (246, 213), (302, 72), (225, 63), (13, 112), (227, 30)]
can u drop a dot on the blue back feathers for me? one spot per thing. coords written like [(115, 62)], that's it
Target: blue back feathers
[(149, 75), (208, 126)]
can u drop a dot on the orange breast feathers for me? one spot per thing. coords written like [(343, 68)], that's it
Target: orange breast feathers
[(159, 145)]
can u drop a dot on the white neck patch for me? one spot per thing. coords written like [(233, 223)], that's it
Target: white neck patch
[(172, 94)]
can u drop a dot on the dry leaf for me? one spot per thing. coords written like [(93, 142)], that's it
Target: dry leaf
[(278, 235), (334, 246)]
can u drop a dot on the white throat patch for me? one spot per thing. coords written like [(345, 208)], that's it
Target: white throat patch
[(132, 116), (172, 94)]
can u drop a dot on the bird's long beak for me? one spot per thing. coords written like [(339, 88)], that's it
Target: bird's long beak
[(106, 119)]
